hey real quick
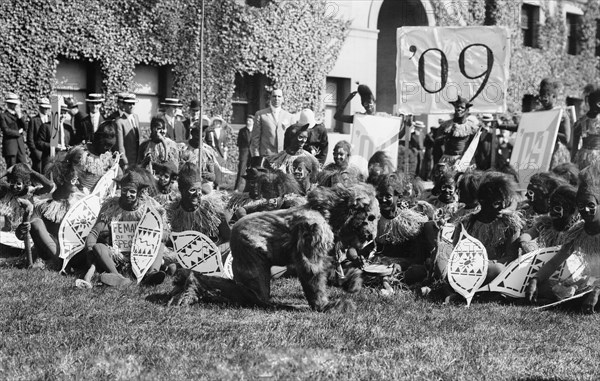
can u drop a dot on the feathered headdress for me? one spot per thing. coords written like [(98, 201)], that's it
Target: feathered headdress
[(66, 166), (496, 183), (546, 181), (589, 181), (276, 183), (189, 174), (366, 95), (20, 172), (139, 179), (548, 86)]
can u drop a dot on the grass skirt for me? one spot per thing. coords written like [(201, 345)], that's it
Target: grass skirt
[(586, 157)]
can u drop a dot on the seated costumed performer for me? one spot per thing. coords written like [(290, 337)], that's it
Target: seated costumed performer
[(98, 158), (130, 206), (20, 179), (495, 225), (49, 212), (551, 229), (341, 162), (583, 240), (297, 136)]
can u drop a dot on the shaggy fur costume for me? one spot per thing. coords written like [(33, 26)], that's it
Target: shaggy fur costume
[(494, 234), (302, 236)]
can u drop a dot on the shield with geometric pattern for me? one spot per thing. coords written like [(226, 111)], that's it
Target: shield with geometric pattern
[(106, 186), (444, 249), (76, 226), (146, 243), (197, 252), (468, 265), (514, 279), (227, 267)]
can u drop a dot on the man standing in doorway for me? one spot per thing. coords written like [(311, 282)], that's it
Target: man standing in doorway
[(128, 132), (35, 125), (269, 127)]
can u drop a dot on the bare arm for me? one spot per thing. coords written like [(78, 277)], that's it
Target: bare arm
[(339, 113)]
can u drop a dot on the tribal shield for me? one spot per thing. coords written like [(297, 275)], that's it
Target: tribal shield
[(76, 225), (197, 252), (468, 265), (146, 242)]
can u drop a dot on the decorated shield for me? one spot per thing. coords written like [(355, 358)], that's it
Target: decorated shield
[(10, 239), (76, 225), (146, 242), (468, 265), (106, 186), (444, 249), (514, 279), (197, 252), (227, 267)]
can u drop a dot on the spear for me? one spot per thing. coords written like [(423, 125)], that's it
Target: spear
[(28, 208)]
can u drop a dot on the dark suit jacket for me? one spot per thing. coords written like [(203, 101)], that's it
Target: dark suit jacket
[(267, 131), (42, 142), (35, 125), (87, 128), (128, 139), (76, 123), (12, 140), (177, 131), (244, 138)]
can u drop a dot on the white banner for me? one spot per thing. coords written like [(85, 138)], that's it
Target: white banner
[(534, 145), (375, 133), (436, 64)]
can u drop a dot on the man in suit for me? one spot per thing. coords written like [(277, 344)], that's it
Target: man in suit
[(269, 127), (194, 111), (93, 119), (175, 128), (66, 137), (33, 131), (243, 143), (12, 124), (128, 132), (76, 119)]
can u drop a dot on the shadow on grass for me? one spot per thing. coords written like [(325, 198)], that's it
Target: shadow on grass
[(159, 298)]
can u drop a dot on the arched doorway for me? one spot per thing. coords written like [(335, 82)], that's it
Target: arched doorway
[(392, 15)]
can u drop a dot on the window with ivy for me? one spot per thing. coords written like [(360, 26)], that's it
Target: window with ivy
[(573, 40), (530, 19), (597, 37), (77, 78)]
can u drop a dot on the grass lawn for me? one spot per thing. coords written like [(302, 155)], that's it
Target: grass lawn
[(50, 330)]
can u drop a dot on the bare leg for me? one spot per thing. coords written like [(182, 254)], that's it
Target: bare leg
[(102, 258), (46, 245)]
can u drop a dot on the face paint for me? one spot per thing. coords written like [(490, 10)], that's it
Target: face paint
[(129, 198)]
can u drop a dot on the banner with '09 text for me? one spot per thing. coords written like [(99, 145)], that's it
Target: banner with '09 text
[(437, 64)]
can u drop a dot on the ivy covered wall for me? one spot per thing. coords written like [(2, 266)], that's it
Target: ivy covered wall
[(294, 44), (529, 65)]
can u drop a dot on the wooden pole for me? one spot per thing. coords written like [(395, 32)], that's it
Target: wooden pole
[(201, 91)]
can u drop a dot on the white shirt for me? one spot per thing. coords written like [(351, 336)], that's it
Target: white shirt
[(276, 112), (95, 117)]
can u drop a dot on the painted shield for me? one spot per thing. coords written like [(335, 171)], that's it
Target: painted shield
[(468, 265), (106, 186), (10, 239), (514, 279), (227, 267), (444, 249), (146, 242), (76, 225), (197, 252)]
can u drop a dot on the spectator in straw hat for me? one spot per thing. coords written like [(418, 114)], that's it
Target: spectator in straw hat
[(483, 155), (318, 142), (175, 128), (117, 113), (128, 132), (12, 125), (35, 125), (76, 118), (93, 119)]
